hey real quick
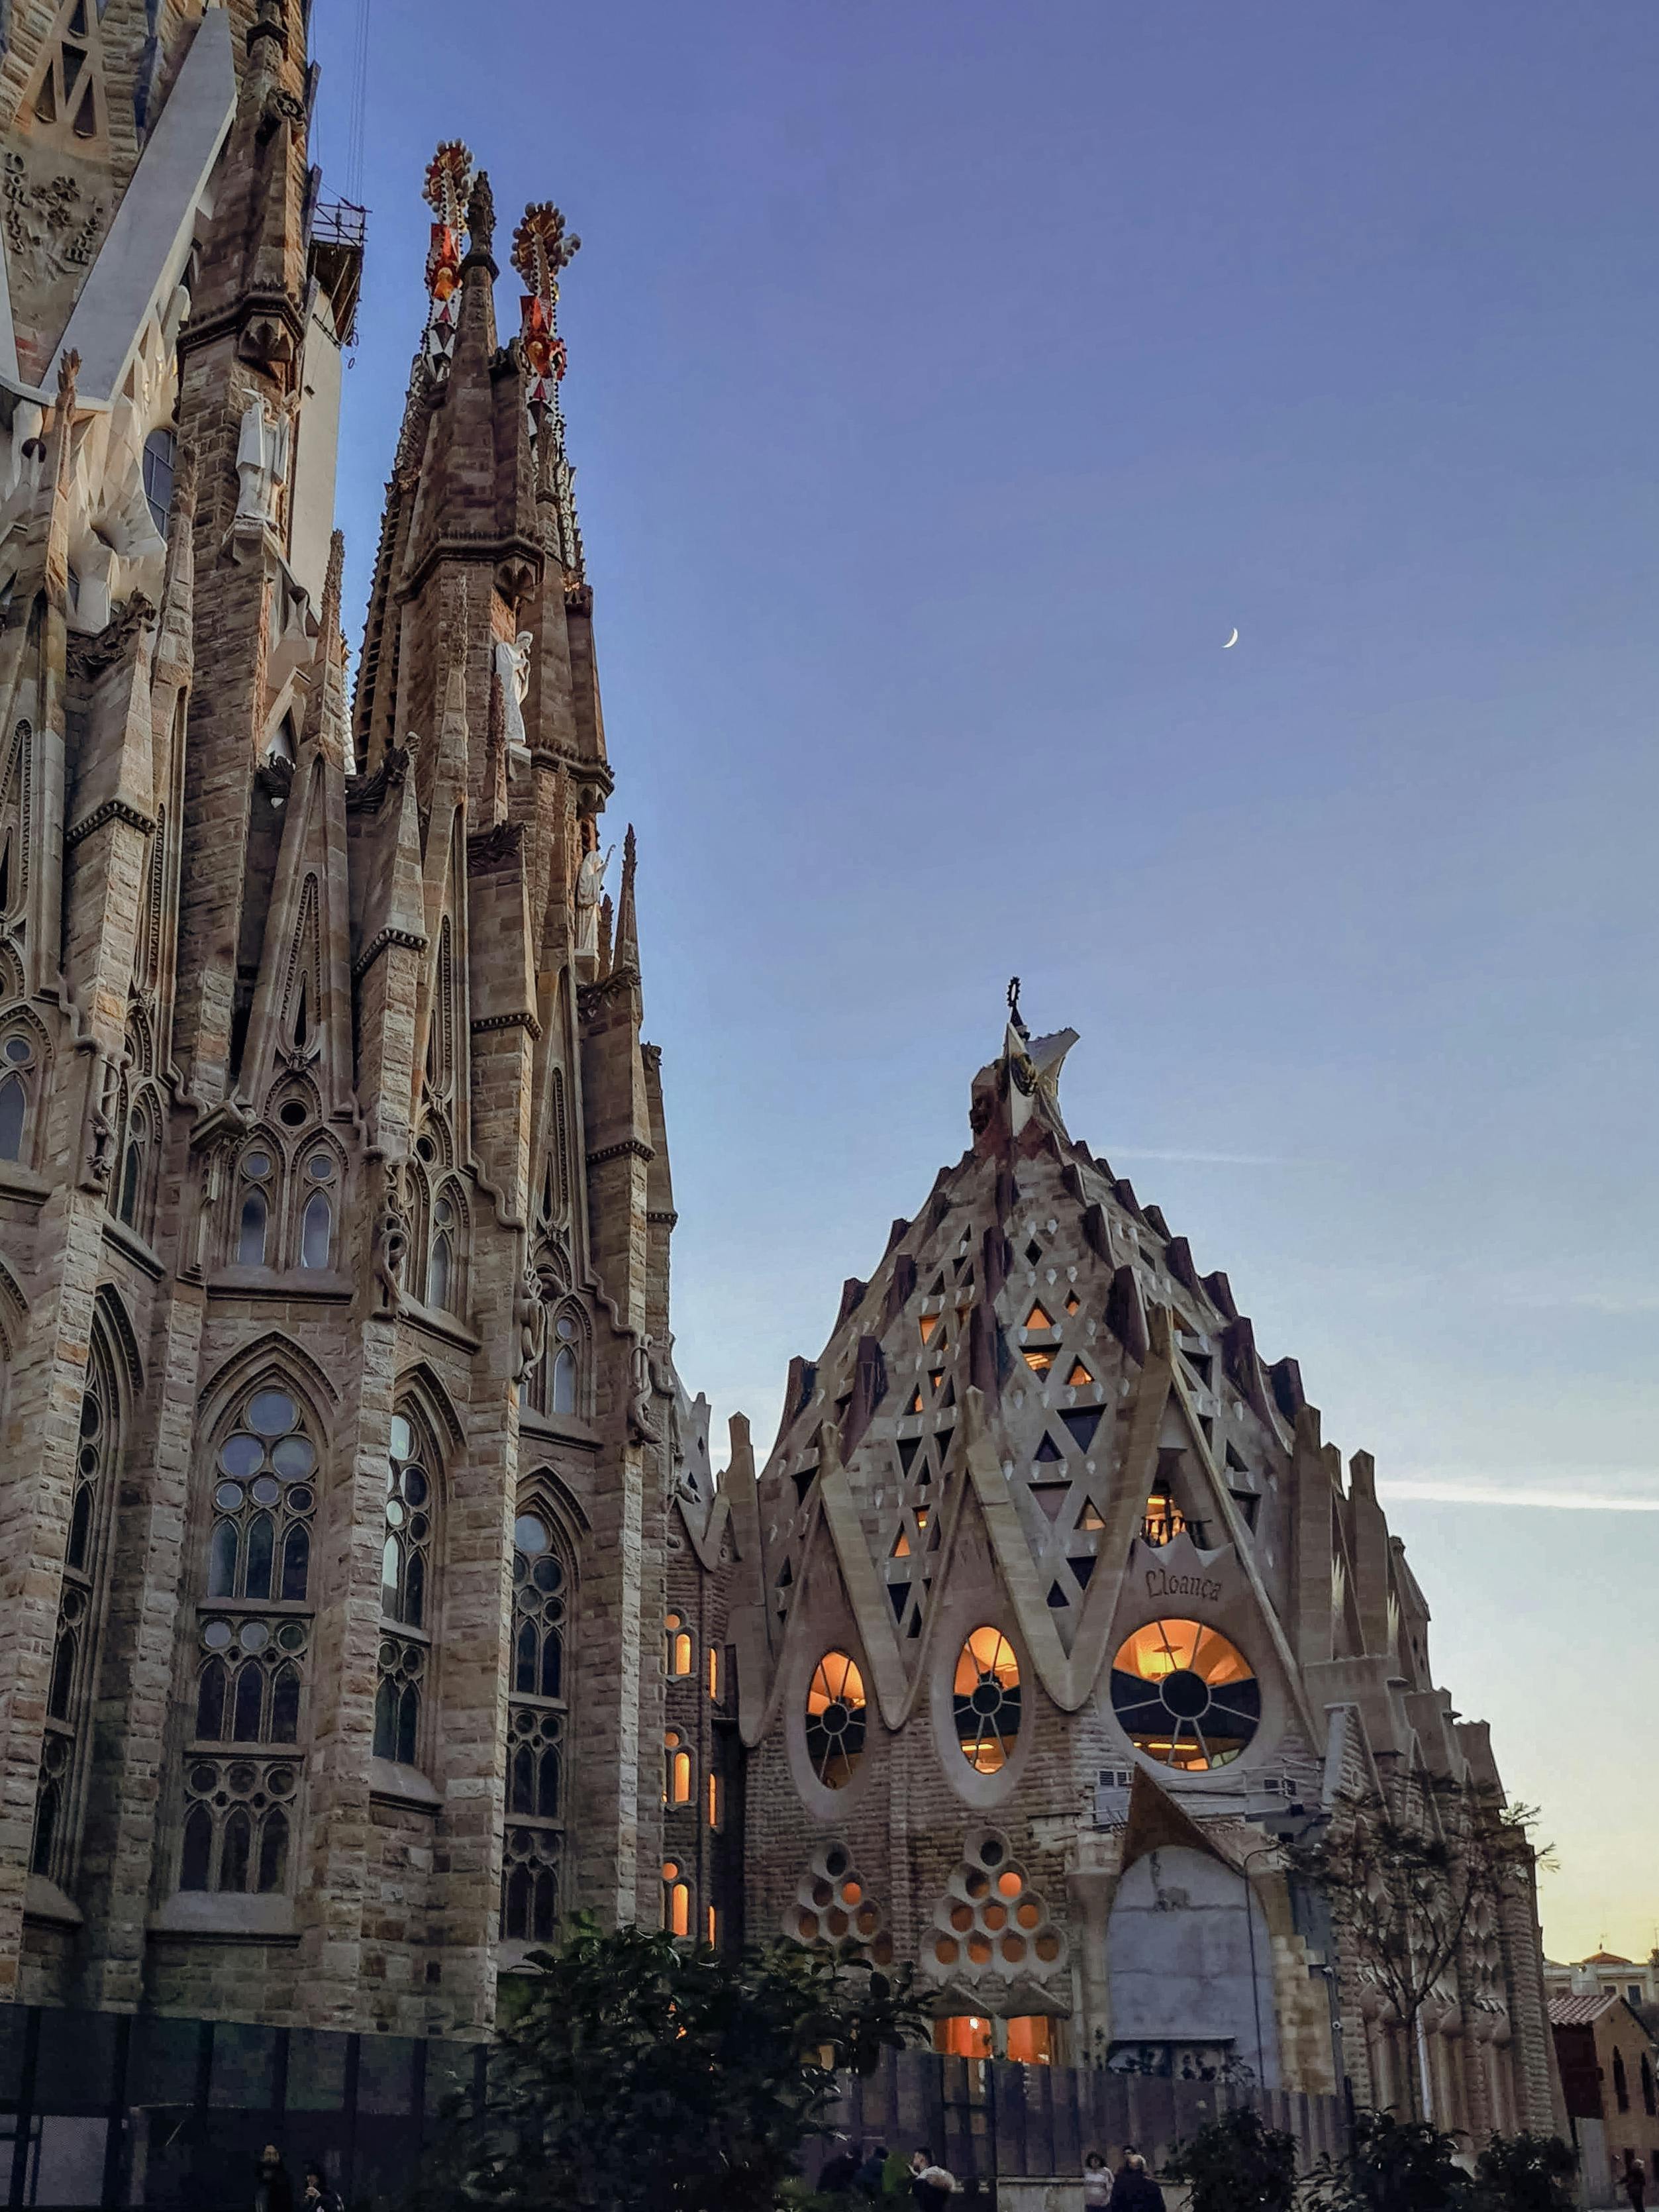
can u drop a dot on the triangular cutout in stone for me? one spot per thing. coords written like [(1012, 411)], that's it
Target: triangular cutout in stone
[(1082, 1421)]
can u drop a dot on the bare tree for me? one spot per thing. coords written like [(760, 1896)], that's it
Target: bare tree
[(1413, 1875)]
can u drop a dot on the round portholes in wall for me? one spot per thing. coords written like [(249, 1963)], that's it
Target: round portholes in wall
[(1184, 1695)]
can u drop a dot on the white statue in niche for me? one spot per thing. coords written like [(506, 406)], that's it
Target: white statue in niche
[(590, 881), (262, 451), (513, 668)]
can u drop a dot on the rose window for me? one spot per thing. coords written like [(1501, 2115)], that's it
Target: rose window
[(1184, 1695)]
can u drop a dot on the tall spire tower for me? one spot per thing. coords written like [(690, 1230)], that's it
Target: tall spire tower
[(335, 1365)]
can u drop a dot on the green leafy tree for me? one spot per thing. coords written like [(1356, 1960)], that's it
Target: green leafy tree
[(1237, 2164), (634, 2071), (1395, 2166), (1409, 1876), (1526, 2173)]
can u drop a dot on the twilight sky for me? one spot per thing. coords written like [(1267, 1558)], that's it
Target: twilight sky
[(947, 381)]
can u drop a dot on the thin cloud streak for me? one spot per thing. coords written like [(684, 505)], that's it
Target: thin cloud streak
[(1202, 1159), (1449, 1490)]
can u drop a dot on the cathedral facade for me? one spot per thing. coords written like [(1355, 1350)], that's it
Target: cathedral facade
[(367, 1597)]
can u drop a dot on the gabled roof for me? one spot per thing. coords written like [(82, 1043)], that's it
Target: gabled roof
[(1580, 2011)]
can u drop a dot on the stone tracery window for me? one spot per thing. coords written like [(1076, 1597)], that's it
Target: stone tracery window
[(406, 1556), (253, 1639), (256, 1178), (19, 1070), (1185, 1695), (317, 1217), (72, 1681), (835, 1715), (537, 1704), (985, 1700)]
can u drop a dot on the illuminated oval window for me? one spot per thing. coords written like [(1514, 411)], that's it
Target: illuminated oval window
[(835, 1719), (1185, 1695), (985, 1700)]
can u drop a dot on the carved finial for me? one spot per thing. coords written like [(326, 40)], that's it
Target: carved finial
[(1013, 1004), (628, 935), (605, 913), (331, 606), (543, 249), (184, 482), (448, 179), (481, 216), (68, 373)]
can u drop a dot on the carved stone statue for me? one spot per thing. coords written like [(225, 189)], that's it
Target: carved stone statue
[(261, 456), (641, 1425), (530, 1316), (590, 879), (513, 667), (391, 1243)]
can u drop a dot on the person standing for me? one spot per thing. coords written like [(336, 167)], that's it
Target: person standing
[(839, 2170), (1096, 2182), (1134, 2190), (273, 2190), (317, 2196), (932, 2187), (1635, 2183)]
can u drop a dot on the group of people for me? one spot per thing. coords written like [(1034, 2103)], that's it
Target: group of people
[(273, 2187), (884, 2175)]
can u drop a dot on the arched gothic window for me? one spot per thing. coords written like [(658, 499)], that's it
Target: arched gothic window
[(536, 1783), (72, 1680), (254, 1629), (406, 1592), (141, 1144), (679, 1779), (1621, 2082), (445, 1268), (255, 1183), (555, 1381), (316, 1219), (18, 1070), (676, 1900)]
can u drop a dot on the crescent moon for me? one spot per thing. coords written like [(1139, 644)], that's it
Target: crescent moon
[(1233, 640)]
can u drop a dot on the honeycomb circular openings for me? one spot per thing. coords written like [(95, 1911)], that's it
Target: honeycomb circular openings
[(832, 1903), (989, 1917)]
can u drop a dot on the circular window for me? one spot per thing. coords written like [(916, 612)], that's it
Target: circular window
[(272, 1413), (529, 1535), (17, 1051), (320, 1167), (835, 1719), (291, 1114), (1185, 1695), (985, 1700), (257, 1166)]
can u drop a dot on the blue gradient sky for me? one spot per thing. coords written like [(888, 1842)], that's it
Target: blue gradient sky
[(946, 382)]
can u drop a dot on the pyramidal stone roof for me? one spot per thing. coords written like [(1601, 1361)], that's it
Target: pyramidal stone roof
[(1037, 1348)]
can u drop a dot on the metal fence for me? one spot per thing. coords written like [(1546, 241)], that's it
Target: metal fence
[(991, 2121), (106, 2109)]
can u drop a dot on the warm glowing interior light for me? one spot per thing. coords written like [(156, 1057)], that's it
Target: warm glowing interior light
[(901, 1548), (928, 1323), (1039, 1361), (1080, 1378), (1037, 1319)]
